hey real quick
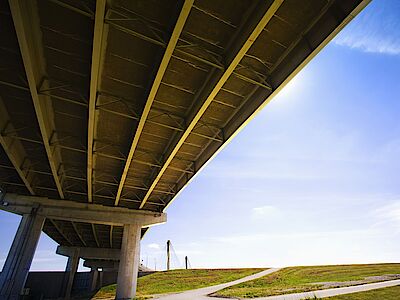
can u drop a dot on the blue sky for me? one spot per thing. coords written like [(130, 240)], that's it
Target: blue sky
[(313, 179)]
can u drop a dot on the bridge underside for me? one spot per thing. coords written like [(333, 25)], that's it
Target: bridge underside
[(120, 103)]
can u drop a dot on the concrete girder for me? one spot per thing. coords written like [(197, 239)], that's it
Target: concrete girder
[(15, 150), (61, 232), (96, 264), (95, 235), (89, 253), (282, 74), (26, 23), (99, 45), (153, 90), (78, 233), (213, 63), (81, 212), (237, 53)]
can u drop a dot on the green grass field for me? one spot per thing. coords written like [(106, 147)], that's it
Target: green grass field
[(178, 281), (390, 293), (299, 279)]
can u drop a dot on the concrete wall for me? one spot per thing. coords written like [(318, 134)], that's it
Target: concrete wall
[(44, 284), (48, 285)]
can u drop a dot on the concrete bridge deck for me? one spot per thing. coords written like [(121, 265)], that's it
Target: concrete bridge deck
[(119, 104)]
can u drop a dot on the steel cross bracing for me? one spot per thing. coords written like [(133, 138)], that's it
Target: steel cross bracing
[(180, 127), (14, 149), (28, 33), (153, 90), (178, 122), (191, 49), (182, 51), (234, 59), (213, 59)]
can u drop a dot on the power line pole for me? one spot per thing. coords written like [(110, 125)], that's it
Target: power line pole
[(168, 254), (186, 262)]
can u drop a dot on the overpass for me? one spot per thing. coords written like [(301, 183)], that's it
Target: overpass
[(109, 108)]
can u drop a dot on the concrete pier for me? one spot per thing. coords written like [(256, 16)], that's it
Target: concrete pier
[(36, 209), (95, 275), (70, 271), (19, 259), (129, 262)]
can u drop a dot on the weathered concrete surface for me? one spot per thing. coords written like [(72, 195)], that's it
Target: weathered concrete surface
[(81, 212), (90, 253), (70, 271), (129, 262), (200, 294)]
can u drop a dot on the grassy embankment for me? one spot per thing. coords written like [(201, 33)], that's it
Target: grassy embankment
[(178, 281), (390, 293), (301, 279)]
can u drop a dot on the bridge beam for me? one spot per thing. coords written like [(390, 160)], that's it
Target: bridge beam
[(80, 212), (27, 27), (89, 253), (104, 264), (239, 47), (98, 47), (14, 149), (153, 90), (19, 258)]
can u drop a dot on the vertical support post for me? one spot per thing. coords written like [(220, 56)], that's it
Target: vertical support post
[(70, 271), (186, 262), (168, 255), (20, 256), (129, 262), (100, 285), (95, 275)]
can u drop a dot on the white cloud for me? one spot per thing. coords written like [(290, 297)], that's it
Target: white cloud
[(265, 211), (154, 246), (302, 236), (389, 215), (376, 30)]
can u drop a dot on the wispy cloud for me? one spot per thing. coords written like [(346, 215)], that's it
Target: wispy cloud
[(154, 246), (389, 214), (377, 29), (266, 211), (260, 237)]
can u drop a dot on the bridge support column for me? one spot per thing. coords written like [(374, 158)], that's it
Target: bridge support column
[(95, 275), (19, 259), (129, 262), (70, 271)]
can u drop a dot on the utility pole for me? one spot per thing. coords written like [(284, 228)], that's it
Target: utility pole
[(186, 262), (168, 254)]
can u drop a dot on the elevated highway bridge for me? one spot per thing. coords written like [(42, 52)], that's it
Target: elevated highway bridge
[(109, 108)]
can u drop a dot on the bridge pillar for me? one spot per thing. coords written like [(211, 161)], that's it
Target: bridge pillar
[(70, 271), (95, 274), (19, 259), (129, 262)]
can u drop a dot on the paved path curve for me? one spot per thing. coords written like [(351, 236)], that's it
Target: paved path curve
[(201, 294), (333, 291)]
